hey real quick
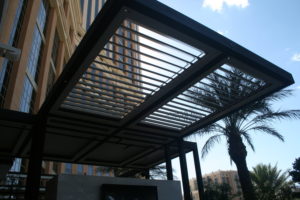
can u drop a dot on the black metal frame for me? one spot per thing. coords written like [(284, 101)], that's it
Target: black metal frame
[(184, 171), (36, 156), (52, 119), (156, 15)]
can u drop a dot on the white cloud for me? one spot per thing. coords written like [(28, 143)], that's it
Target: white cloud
[(298, 87), (217, 5), (222, 32), (296, 57)]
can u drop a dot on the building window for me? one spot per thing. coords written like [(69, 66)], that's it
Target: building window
[(16, 167), (88, 18), (129, 66), (103, 2), (23, 4), (120, 49), (55, 49), (98, 171), (216, 180), (55, 167), (53, 63), (223, 180), (90, 170), (129, 74), (96, 8), (82, 4), (79, 169), (27, 99), (109, 49), (68, 168), (93, 72), (128, 32), (13, 39), (34, 53), (4, 76), (120, 65), (107, 172), (129, 61), (129, 45), (42, 16)]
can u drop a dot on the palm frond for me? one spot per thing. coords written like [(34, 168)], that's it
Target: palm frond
[(268, 181), (278, 115), (269, 117), (248, 139), (268, 130), (205, 94), (281, 94), (211, 129), (216, 92), (210, 143)]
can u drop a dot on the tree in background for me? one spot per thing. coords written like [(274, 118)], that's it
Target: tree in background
[(215, 191), (238, 127), (295, 173), (157, 172), (270, 183)]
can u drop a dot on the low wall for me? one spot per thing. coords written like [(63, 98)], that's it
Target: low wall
[(80, 187)]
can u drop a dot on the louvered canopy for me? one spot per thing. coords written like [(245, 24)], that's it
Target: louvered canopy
[(144, 76)]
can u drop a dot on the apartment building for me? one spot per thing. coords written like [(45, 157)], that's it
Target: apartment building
[(219, 177)]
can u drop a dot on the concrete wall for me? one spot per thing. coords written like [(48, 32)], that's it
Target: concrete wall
[(77, 187)]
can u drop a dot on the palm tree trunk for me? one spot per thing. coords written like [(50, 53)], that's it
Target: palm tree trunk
[(238, 154)]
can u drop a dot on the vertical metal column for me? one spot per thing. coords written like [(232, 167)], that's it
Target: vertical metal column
[(38, 134), (184, 171), (168, 164), (147, 174), (198, 172)]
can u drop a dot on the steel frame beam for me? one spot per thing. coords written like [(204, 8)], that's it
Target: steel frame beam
[(165, 94), (168, 164), (198, 172), (35, 161), (194, 149), (184, 171)]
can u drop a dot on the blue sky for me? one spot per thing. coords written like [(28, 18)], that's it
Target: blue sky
[(270, 29)]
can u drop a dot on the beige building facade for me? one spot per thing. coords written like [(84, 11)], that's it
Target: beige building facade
[(219, 177), (47, 33)]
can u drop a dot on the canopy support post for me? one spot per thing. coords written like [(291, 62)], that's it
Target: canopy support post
[(38, 135)]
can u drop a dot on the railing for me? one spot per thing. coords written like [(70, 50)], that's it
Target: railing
[(14, 185)]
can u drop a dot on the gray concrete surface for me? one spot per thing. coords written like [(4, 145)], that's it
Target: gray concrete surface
[(80, 187)]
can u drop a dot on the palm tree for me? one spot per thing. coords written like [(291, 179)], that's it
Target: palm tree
[(237, 127), (269, 182)]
